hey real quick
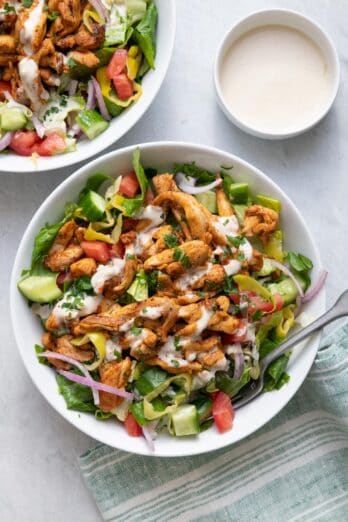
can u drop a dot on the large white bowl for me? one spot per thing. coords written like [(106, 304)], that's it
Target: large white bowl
[(124, 122), (28, 330)]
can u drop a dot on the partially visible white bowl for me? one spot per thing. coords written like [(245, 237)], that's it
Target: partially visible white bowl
[(126, 120), (28, 331), (287, 18)]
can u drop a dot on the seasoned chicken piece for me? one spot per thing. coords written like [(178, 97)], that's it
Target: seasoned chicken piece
[(223, 322), (191, 312), (70, 16), (164, 183), (114, 374), (111, 321), (113, 290), (159, 244), (212, 358), (8, 20), (224, 207), (49, 342), (63, 253), (84, 267), (80, 234), (83, 39), (86, 58), (49, 77), (189, 367), (108, 307), (196, 253), (211, 279), (203, 345), (7, 44), (194, 215), (256, 262), (6, 59), (260, 221), (29, 42), (141, 346), (80, 353)]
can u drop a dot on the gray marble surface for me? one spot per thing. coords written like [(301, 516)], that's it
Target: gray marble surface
[(39, 476)]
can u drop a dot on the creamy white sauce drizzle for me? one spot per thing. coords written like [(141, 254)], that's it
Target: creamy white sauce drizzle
[(29, 74), (232, 267), (192, 276), (86, 306), (203, 321), (170, 355), (111, 347), (156, 217), (127, 325), (27, 33), (228, 226), (202, 378), (151, 312), (106, 272)]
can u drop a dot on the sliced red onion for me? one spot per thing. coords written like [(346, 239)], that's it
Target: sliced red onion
[(288, 272), (187, 184), (148, 438), (70, 360), (6, 140), (101, 103), (72, 87), (238, 365), (101, 9), (88, 381), (40, 129), (90, 104), (316, 288)]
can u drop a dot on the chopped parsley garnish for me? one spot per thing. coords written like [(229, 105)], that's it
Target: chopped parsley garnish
[(77, 292), (226, 222), (71, 62), (177, 344), (236, 241), (64, 100), (175, 363), (144, 311), (53, 15), (8, 9), (170, 240), (179, 255), (129, 257), (256, 316), (135, 330), (27, 3), (227, 250), (49, 112), (117, 354), (211, 285), (200, 293), (228, 286), (241, 256), (83, 284)]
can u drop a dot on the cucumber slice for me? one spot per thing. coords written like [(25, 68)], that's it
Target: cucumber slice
[(40, 288), (204, 407), (185, 420), (91, 122), (93, 206), (286, 288), (268, 202), (208, 200), (12, 119), (238, 193), (240, 213), (267, 267)]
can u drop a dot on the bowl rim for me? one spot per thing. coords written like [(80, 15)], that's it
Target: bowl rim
[(334, 61), (34, 222), (61, 161)]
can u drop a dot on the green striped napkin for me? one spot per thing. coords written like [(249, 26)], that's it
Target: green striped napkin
[(293, 469)]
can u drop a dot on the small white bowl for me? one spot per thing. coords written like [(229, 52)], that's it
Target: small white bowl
[(126, 120), (293, 20), (28, 330)]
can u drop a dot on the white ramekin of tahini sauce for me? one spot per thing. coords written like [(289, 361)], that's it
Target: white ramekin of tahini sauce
[(276, 74)]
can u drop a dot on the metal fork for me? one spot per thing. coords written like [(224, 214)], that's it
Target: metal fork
[(339, 309)]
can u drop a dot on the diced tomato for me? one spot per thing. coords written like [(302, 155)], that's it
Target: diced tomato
[(129, 224), (118, 250), (132, 427), (23, 142), (123, 86), (117, 64), (98, 250), (255, 303), (129, 185), (278, 301), (4, 87), (64, 277), (52, 144), (223, 412), (235, 298), (149, 196), (238, 336)]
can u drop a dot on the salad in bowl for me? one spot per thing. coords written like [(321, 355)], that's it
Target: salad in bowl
[(68, 68), (159, 292)]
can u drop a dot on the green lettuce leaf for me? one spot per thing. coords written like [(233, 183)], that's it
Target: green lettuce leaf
[(145, 34), (77, 396), (192, 170), (139, 288)]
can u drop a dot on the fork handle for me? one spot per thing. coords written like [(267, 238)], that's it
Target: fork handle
[(339, 309)]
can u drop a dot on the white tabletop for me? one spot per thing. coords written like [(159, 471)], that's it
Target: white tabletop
[(39, 475)]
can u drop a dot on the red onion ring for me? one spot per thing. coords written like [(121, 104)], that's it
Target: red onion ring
[(148, 438), (184, 185), (90, 104), (88, 381), (238, 365), (101, 103), (40, 129), (316, 288), (72, 87), (6, 140), (288, 272), (70, 360)]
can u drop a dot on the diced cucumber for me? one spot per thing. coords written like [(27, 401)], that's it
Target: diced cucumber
[(150, 379), (238, 193), (286, 288), (91, 123), (267, 267), (40, 288), (268, 202), (185, 420), (93, 206), (12, 119), (208, 200), (204, 407), (240, 213)]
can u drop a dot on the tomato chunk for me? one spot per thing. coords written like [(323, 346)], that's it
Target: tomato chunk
[(4, 87), (149, 196), (223, 412), (117, 64), (129, 185), (132, 427), (23, 142), (118, 249), (52, 144), (98, 250), (123, 86), (278, 302)]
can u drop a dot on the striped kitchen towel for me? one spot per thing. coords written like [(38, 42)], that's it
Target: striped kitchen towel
[(293, 469)]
